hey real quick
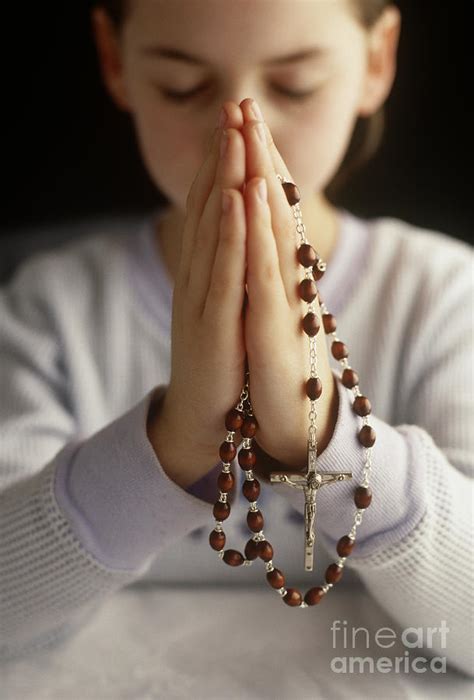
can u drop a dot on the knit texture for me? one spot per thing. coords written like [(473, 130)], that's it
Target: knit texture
[(86, 508)]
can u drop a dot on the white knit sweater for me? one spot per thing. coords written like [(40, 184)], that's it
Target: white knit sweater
[(86, 508)]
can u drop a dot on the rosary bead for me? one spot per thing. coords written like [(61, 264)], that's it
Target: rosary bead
[(234, 419), (314, 595), (227, 451), (293, 597), (292, 192), (339, 349), (249, 427), (307, 255), (251, 490), (333, 573), (255, 520), (221, 510), (225, 481), (314, 388), (329, 323), (311, 324), (252, 549), (217, 540), (317, 273), (265, 550), (362, 497), (233, 557), (366, 436), (247, 459), (275, 578), (362, 406), (349, 378), (344, 546), (308, 290)]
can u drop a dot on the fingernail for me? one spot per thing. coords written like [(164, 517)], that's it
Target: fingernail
[(257, 112), (262, 189), (224, 142), (222, 118)]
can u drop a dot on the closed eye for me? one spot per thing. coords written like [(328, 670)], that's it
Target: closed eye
[(189, 94)]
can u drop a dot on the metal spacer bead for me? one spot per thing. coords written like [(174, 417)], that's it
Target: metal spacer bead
[(220, 554), (249, 475), (327, 586), (282, 591), (303, 605), (341, 560), (269, 565), (218, 525), (222, 497), (226, 467), (247, 562), (246, 443), (230, 436), (253, 506)]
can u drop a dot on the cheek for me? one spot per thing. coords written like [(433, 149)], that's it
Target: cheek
[(315, 144), (172, 152)]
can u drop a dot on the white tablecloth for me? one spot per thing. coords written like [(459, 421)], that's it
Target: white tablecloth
[(152, 642)]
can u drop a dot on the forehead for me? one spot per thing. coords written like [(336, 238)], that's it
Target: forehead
[(225, 31)]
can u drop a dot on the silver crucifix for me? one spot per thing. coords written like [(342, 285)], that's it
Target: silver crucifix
[(309, 483)]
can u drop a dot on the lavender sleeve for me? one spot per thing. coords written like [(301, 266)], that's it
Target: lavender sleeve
[(118, 499), (396, 480)]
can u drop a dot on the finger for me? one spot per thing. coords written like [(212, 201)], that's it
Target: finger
[(249, 113), (260, 164), (265, 285), (201, 188), (230, 173), (226, 288)]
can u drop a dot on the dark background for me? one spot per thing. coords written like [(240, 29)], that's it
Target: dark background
[(68, 153)]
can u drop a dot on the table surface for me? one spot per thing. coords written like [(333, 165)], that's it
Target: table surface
[(149, 642)]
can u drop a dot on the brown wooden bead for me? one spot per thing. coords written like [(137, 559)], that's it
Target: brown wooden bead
[(251, 489), (227, 451), (252, 549), (233, 557), (314, 595), (276, 578), (307, 290), (247, 459), (333, 573), (367, 436), (293, 597), (362, 406), (311, 324), (314, 388), (255, 520), (317, 273), (217, 540), (329, 323), (225, 481), (306, 255), (249, 427), (234, 419), (362, 497), (344, 546), (350, 378), (221, 510), (339, 350), (292, 192), (265, 550)]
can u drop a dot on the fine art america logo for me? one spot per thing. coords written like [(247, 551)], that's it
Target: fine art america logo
[(415, 640)]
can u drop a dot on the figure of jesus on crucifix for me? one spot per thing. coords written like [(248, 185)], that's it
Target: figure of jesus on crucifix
[(309, 483)]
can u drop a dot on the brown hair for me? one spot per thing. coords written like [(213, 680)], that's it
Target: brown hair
[(368, 131)]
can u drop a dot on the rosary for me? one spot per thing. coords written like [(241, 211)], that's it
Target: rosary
[(241, 418)]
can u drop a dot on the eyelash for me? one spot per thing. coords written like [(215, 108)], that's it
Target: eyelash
[(184, 96)]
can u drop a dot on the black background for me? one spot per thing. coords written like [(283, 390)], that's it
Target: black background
[(69, 153)]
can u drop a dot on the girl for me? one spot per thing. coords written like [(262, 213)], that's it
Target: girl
[(121, 355)]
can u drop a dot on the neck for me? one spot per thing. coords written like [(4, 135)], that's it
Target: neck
[(319, 217)]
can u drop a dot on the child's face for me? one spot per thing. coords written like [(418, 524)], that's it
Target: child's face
[(233, 41)]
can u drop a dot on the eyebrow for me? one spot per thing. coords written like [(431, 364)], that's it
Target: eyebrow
[(178, 55)]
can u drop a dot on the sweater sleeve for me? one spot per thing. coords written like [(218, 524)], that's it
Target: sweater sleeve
[(79, 518), (414, 547)]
